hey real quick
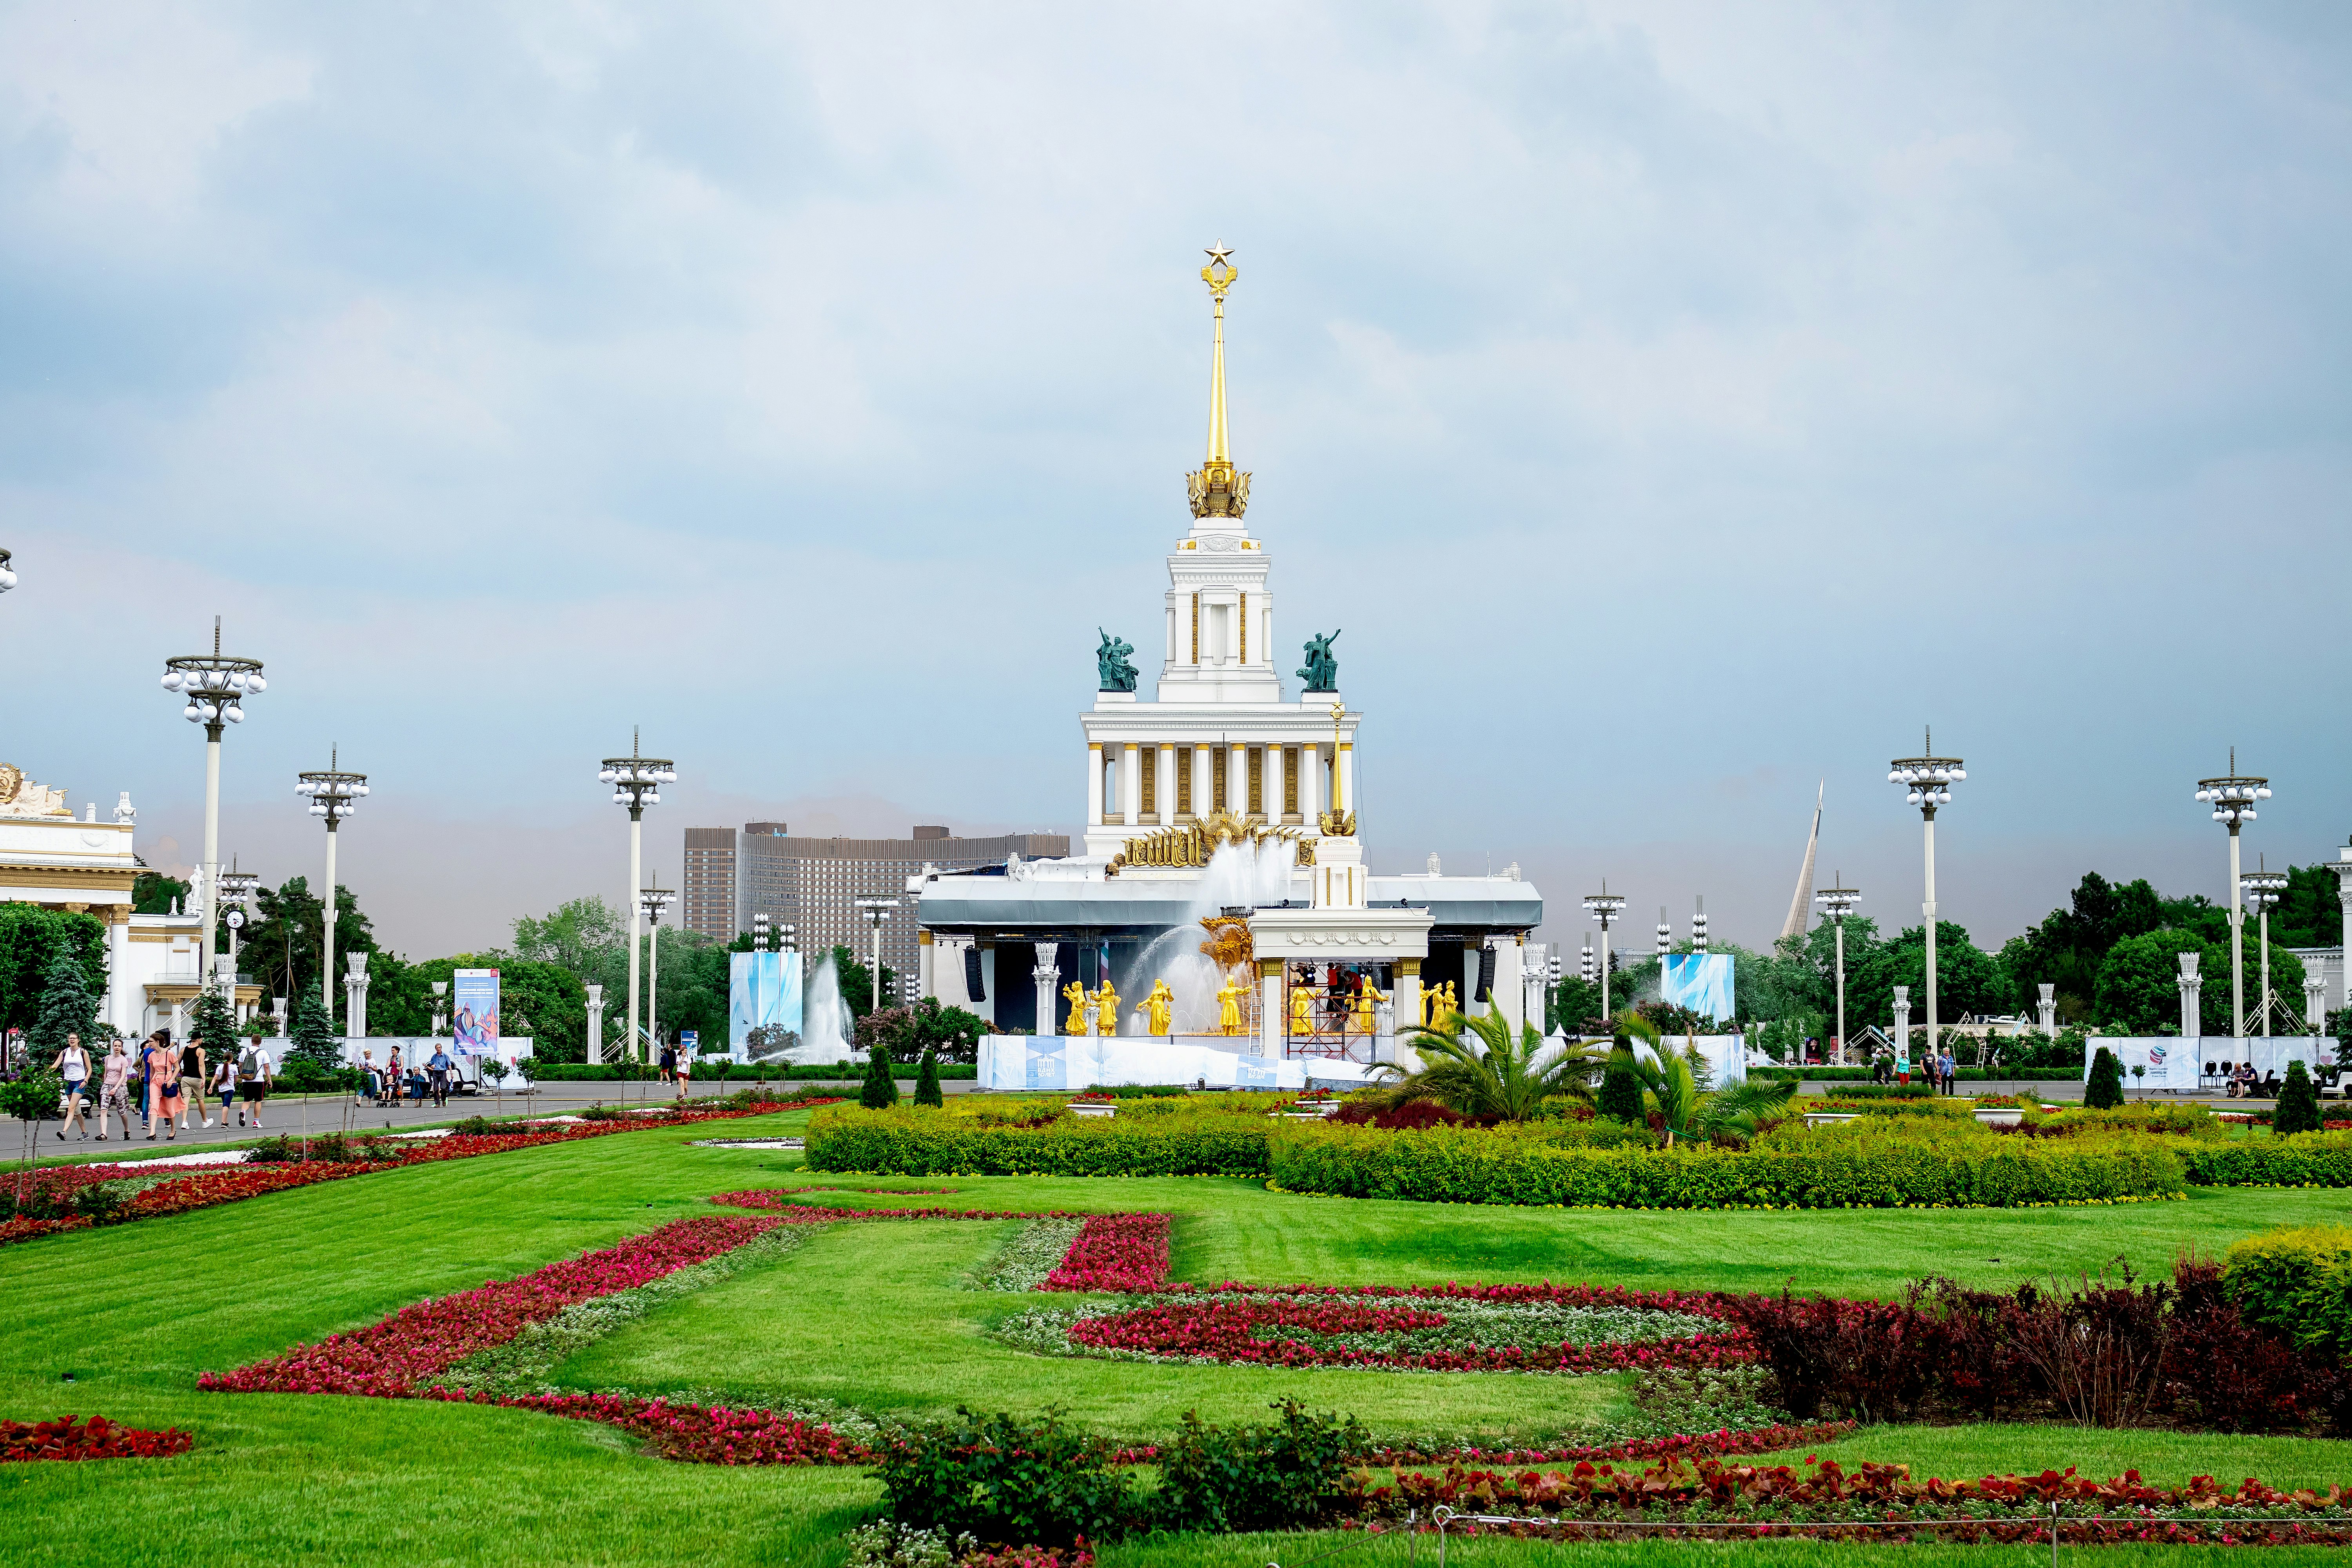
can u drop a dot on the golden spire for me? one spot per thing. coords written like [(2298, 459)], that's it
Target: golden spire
[(1217, 490)]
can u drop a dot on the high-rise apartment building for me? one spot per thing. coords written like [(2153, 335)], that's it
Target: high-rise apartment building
[(814, 883), (707, 899)]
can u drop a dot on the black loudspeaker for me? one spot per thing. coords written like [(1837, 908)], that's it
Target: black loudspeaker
[(1485, 975), (972, 985)]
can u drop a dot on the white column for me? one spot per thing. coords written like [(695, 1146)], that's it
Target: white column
[(209, 880), (1344, 787), (2046, 1009), (2191, 983), (327, 924), (927, 968), (122, 997), (1094, 785), (1130, 784), (1271, 1020), (1928, 907), (595, 1026), (1406, 998), (1237, 780), (1902, 1023), (2237, 946), (1049, 996), (2343, 869), (2314, 1003), (637, 880), (1164, 787), (1201, 781), (1274, 781), (1509, 993), (1310, 782)]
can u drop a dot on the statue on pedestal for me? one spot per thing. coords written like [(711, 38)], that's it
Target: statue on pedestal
[(1105, 1010), (1158, 1009), (1229, 1008), (1368, 997), (1112, 663), (1076, 995), (1321, 671), (1302, 1011)]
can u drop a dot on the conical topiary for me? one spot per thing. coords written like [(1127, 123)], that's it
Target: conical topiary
[(2106, 1090), (881, 1090), (927, 1084), (67, 1006), (1620, 1090), (2298, 1103), (313, 1052)]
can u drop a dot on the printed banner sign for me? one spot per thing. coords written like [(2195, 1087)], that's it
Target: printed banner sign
[(1698, 981), (763, 992), (474, 992)]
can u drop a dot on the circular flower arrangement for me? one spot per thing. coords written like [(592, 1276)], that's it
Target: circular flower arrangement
[(1559, 1331)]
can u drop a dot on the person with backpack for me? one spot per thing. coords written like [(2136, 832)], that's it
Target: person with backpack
[(223, 1084), (192, 1081), (253, 1079)]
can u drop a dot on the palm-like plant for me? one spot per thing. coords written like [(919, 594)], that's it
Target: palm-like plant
[(1489, 1073), (1687, 1110)]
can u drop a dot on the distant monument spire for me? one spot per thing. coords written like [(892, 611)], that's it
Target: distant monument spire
[(1217, 490), (1801, 908)]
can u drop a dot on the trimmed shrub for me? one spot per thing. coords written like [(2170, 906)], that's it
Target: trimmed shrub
[(2296, 1281), (908, 1143), (1508, 1165), (1292, 1473), (1620, 1088), (1005, 1479), (2104, 1091), (2222, 1371), (926, 1085), (2298, 1103), (881, 1090), (2306, 1160)]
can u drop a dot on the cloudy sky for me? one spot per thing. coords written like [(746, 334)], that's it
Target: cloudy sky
[(1677, 405)]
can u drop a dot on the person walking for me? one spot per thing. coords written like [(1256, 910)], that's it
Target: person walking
[(438, 1067), (192, 1080), (668, 1062), (1951, 1072), (114, 1079), (388, 1086), (225, 1085), (163, 1063), (72, 1064), (366, 1090), (253, 1081)]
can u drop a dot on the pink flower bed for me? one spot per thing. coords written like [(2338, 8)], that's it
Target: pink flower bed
[(388, 1360), (1115, 1252), (24, 1442), (1754, 1440), (1230, 1329), (695, 1434)]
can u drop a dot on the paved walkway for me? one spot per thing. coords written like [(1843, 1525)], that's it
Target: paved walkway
[(320, 1113)]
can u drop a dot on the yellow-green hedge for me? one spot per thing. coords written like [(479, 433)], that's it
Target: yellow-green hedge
[(1446, 1165), (2298, 1280), (2303, 1159), (919, 1143)]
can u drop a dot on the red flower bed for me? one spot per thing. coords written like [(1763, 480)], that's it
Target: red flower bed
[(1228, 1330), (391, 1358), (2017, 1506), (1755, 1440), (204, 1189), (1115, 1252), (96, 1438), (697, 1433)]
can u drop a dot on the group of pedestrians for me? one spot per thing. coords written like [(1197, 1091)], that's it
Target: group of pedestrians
[(170, 1082), (383, 1085), (1941, 1071)]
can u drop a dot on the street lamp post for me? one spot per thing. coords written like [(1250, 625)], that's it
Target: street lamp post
[(1927, 784), (2264, 889), (1837, 904), (441, 1013), (653, 900), (636, 784), (2342, 867), (215, 686), (2233, 797), (877, 914), (332, 792), (1699, 925), (236, 887), (1604, 907)]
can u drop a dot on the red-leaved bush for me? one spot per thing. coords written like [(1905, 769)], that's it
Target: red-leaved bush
[(70, 1437)]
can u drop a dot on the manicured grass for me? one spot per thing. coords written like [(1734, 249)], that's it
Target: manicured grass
[(874, 1316), (137, 1311)]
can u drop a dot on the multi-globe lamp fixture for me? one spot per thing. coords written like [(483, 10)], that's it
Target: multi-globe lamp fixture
[(332, 793), (636, 784), (1604, 907), (2263, 890), (2233, 797), (215, 686), (1927, 782), (1837, 904), (236, 887)]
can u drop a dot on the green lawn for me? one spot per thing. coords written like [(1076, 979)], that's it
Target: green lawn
[(871, 1313)]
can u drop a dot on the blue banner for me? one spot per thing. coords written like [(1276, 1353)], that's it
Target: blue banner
[(1698, 981), (474, 994), (763, 992)]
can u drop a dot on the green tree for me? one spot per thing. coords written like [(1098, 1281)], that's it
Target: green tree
[(881, 1088), (1575, 1007), (30, 940), (1621, 1087), (314, 1056), (586, 936), (926, 1085), (1490, 1073), (1969, 980), (213, 1020), (2138, 988), (152, 893), (69, 1005), (2104, 1091), (281, 948), (2298, 1103), (952, 1032), (857, 981)]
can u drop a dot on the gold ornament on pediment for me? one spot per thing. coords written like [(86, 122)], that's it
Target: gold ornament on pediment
[(1190, 844), (20, 796), (11, 779), (1230, 945), (1337, 824)]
